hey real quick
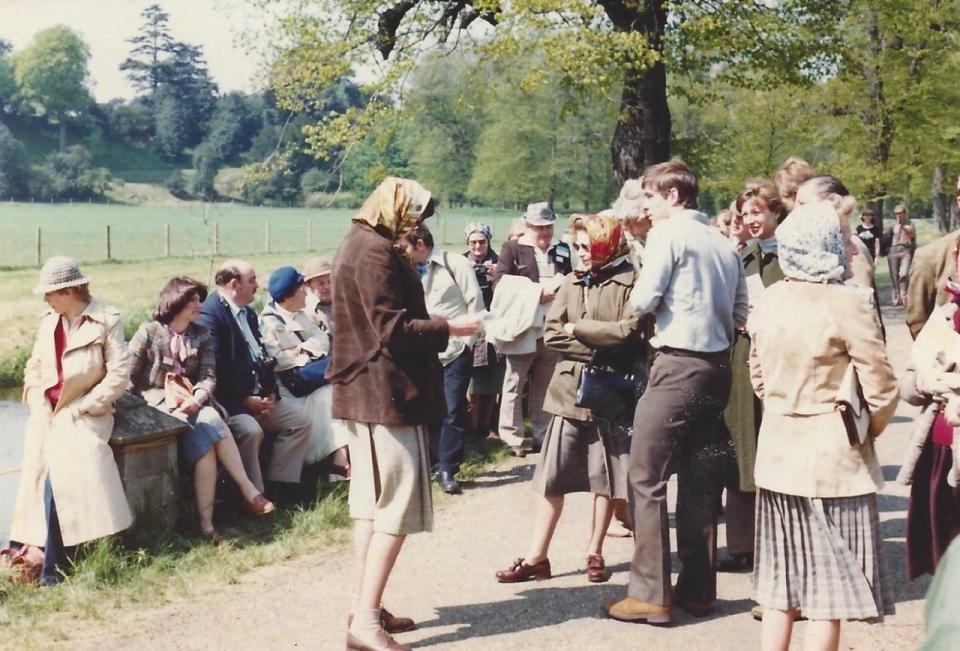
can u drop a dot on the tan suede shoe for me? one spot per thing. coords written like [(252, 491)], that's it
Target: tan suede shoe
[(635, 611)]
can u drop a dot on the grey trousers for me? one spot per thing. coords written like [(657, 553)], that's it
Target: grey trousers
[(537, 368), (899, 261), (289, 428), (678, 426)]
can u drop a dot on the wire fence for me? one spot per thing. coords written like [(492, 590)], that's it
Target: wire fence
[(29, 233)]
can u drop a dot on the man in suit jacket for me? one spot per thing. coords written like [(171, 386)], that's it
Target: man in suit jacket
[(541, 259), (246, 387)]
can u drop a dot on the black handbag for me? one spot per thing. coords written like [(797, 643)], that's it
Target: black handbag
[(609, 394), (303, 380)]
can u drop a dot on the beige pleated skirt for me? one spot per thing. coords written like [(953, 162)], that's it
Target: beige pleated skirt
[(389, 476)]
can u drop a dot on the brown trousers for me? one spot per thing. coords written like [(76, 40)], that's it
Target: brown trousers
[(289, 427), (678, 426)]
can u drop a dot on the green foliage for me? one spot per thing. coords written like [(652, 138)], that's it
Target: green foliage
[(270, 183), (206, 164), (314, 181), (14, 166), (176, 184), (147, 64), (70, 175), (8, 82), (172, 117), (378, 155), (51, 73), (12, 367), (234, 124)]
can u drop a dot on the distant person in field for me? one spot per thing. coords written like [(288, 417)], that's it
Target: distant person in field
[(247, 383), (387, 391), (173, 367), (902, 246), (868, 233), (70, 490)]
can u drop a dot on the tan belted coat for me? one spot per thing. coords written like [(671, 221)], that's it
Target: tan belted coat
[(71, 442)]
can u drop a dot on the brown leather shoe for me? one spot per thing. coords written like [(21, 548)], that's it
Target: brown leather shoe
[(520, 571), (382, 642), (260, 505), (635, 611), (393, 625), (597, 571), (695, 608)]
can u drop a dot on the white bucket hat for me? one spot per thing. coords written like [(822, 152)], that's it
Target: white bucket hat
[(59, 272), (539, 214)]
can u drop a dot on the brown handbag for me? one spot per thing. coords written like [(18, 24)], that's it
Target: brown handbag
[(853, 410), (176, 389)]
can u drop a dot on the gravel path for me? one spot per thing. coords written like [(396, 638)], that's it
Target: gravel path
[(445, 581)]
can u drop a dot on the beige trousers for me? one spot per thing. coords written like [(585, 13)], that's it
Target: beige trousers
[(537, 368), (289, 428)]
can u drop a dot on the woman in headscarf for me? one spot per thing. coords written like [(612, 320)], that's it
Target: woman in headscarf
[(387, 393), (172, 366), (590, 320), (818, 539), (488, 368), (70, 490)]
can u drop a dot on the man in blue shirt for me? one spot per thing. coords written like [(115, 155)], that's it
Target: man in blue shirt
[(692, 280)]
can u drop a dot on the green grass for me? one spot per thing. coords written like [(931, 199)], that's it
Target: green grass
[(109, 576)]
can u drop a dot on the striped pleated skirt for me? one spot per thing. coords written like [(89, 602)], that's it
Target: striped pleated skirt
[(821, 555)]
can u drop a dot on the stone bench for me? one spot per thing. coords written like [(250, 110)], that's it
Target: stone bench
[(144, 442)]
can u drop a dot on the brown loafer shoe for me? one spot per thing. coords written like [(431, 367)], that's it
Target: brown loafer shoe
[(392, 624), (597, 571), (520, 571), (260, 505), (695, 608), (634, 611), (382, 642)]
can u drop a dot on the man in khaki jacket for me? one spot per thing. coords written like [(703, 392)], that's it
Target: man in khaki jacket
[(931, 268)]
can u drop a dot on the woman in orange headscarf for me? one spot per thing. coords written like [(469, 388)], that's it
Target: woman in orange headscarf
[(586, 447)]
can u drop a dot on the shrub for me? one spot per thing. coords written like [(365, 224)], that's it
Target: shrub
[(206, 164), (176, 184), (270, 183), (331, 200), (14, 169), (314, 180), (11, 367)]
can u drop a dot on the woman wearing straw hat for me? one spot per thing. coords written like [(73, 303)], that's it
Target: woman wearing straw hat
[(70, 490)]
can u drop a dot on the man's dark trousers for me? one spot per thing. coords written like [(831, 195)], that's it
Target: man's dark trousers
[(446, 443), (678, 426)]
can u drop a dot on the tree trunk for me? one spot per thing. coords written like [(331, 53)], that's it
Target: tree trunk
[(941, 214), (876, 117), (63, 134), (642, 136)]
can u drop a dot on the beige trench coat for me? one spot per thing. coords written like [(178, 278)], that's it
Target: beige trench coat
[(71, 442)]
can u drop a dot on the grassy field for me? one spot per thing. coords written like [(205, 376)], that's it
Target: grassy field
[(138, 233), (133, 280)]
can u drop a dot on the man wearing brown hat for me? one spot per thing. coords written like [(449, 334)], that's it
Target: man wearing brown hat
[(316, 275), (537, 256)]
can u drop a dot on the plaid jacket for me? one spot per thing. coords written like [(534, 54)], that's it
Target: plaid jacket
[(151, 360)]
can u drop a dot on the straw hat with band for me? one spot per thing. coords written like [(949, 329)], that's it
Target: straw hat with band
[(316, 267)]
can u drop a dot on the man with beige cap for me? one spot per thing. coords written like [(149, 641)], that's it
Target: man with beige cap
[(316, 275), (541, 259)]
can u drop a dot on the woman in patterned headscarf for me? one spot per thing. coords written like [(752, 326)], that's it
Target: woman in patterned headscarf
[(583, 450), (387, 391), (818, 532)]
